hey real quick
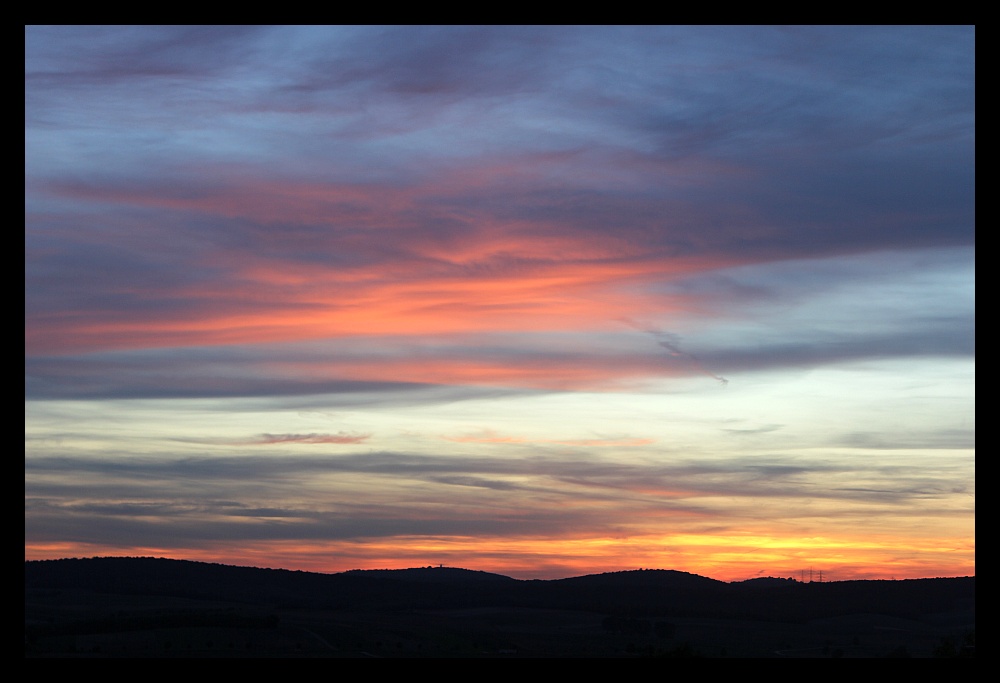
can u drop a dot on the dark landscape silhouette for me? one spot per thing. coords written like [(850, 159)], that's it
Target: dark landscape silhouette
[(150, 607)]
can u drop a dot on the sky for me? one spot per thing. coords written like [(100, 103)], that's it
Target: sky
[(541, 301)]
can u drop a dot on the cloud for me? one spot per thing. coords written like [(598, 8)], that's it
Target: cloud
[(103, 55), (763, 429), (194, 242), (338, 438), (582, 477), (671, 342), (489, 436)]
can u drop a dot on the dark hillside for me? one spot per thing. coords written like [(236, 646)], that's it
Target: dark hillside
[(440, 611)]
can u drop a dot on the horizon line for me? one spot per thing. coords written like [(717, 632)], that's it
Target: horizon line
[(483, 571)]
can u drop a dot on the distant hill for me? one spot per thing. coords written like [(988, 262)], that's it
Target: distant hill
[(148, 607), (641, 592), (435, 587), (438, 574)]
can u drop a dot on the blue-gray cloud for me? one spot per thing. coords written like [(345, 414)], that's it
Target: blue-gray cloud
[(514, 497)]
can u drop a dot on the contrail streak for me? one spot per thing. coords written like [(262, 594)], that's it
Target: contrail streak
[(671, 342)]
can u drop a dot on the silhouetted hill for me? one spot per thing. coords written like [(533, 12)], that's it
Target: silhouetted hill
[(631, 603), (404, 588), (643, 592), (432, 574)]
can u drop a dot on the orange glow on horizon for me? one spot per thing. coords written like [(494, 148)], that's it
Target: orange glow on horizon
[(731, 558)]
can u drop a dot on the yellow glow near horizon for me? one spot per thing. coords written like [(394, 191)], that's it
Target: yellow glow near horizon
[(725, 558)]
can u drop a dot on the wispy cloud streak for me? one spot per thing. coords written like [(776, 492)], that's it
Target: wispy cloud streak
[(339, 438)]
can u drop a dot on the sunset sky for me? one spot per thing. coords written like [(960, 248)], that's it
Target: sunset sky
[(542, 301)]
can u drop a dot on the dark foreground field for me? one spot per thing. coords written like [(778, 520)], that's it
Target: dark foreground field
[(142, 607)]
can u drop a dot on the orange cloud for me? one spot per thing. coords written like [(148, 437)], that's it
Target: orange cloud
[(325, 304), (332, 260)]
